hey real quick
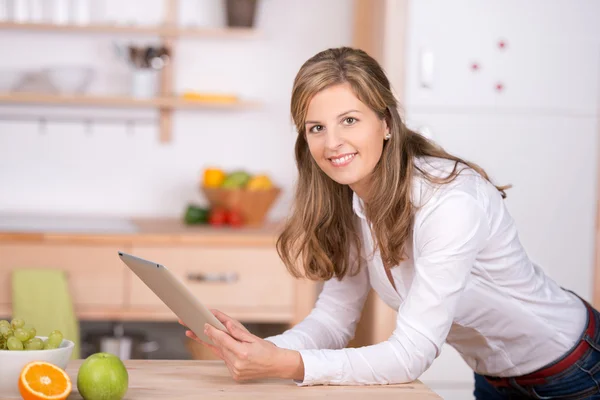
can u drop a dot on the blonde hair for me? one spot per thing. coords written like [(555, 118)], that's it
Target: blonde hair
[(321, 230)]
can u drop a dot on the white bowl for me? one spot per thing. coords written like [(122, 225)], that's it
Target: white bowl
[(70, 79), (12, 363), (9, 80)]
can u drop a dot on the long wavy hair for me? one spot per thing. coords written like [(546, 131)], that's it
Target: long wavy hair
[(321, 231)]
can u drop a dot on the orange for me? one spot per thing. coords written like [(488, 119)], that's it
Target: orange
[(45, 381)]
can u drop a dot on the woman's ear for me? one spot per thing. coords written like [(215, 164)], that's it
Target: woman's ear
[(386, 129)]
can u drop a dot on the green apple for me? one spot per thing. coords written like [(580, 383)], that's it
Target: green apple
[(102, 376)]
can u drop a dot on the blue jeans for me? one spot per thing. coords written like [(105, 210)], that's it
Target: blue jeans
[(579, 381)]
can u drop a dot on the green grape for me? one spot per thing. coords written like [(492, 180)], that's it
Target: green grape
[(4, 322), (21, 334), (14, 344), (49, 346), (55, 338), (34, 344), (17, 323), (6, 332), (2, 343), (31, 330)]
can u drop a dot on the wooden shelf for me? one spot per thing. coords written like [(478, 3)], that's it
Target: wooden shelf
[(168, 32), (163, 31), (116, 101)]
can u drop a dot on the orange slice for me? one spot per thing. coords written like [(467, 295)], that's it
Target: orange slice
[(41, 380)]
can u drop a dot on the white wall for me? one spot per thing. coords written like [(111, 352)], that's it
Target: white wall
[(112, 172)]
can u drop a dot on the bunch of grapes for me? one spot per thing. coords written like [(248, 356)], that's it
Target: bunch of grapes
[(15, 335)]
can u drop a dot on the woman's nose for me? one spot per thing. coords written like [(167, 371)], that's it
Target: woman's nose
[(333, 139)]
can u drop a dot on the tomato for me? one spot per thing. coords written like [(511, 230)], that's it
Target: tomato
[(217, 216), (234, 218)]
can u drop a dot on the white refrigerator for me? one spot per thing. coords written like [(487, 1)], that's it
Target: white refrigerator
[(514, 86)]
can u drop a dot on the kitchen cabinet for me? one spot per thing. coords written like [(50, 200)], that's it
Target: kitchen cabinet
[(236, 280), (96, 277), (236, 270)]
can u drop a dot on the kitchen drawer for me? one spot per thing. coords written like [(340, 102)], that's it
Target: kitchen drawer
[(95, 273), (227, 278)]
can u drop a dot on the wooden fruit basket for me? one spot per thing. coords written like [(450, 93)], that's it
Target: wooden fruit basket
[(253, 205)]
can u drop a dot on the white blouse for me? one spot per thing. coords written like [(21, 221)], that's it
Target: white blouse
[(467, 281)]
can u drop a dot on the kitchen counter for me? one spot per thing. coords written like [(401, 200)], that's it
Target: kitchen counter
[(99, 230), (161, 379)]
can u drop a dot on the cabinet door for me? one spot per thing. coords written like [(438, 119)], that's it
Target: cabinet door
[(542, 54), (95, 273), (240, 280), (552, 164)]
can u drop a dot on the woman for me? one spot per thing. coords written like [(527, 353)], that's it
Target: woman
[(377, 205)]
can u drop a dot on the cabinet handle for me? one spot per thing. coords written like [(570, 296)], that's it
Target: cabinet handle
[(227, 277)]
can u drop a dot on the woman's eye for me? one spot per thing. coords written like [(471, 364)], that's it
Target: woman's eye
[(350, 120), (316, 128)]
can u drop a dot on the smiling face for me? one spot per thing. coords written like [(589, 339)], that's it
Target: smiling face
[(345, 137)]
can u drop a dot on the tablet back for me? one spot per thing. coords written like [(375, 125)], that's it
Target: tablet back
[(174, 294)]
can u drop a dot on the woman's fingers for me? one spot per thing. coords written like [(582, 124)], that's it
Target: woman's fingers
[(193, 336), (222, 339), (236, 328), (239, 332), (214, 349), (221, 316)]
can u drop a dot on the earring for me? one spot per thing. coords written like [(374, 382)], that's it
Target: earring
[(388, 136)]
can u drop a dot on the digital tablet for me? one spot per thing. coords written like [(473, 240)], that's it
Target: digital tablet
[(174, 294)]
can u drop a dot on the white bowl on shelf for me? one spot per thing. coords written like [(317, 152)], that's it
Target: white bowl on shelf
[(70, 79), (12, 363), (9, 80)]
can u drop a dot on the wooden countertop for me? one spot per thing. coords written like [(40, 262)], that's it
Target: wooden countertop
[(183, 379), (169, 231)]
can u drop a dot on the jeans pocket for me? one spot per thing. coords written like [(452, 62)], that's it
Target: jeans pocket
[(580, 383)]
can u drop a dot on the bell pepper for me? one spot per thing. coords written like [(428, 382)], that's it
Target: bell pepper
[(196, 215)]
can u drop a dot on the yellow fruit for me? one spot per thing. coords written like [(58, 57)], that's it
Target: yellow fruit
[(41, 380), (213, 177), (210, 97), (259, 182)]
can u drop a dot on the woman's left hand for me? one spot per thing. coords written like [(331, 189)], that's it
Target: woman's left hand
[(249, 357)]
